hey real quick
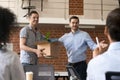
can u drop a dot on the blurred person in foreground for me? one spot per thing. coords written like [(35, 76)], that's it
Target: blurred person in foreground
[(10, 66), (29, 35), (109, 60)]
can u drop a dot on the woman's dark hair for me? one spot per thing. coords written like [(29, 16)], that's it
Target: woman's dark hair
[(73, 17), (113, 24), (7, 19)]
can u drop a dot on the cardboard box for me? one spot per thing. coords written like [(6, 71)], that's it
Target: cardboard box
[(51, 49)]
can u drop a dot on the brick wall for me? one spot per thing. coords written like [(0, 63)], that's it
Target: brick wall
[(75, 7), (56, 31)]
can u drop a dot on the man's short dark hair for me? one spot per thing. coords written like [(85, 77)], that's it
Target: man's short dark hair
[(113, 24), (32, 12), (73, 17)]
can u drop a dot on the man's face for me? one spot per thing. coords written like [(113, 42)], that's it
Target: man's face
[(74, 23), (34, 19)]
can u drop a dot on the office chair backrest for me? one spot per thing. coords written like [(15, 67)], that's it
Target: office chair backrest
[(112, 75), (41, 71), (72, 72)]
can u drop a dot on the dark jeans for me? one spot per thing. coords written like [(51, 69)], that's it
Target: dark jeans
[(26, 64), (81, 68)]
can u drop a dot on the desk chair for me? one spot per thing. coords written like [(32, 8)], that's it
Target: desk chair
[(112, 75), (41, 71), (72, 72)]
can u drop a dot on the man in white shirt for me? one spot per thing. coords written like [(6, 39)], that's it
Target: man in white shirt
[(109, 60)]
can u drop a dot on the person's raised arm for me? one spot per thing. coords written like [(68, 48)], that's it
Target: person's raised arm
[(100, 49)]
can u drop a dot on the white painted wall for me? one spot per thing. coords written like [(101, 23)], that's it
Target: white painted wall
[(56, 11)]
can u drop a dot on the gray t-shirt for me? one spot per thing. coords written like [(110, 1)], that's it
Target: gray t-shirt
[(31, 39), (10, 66)]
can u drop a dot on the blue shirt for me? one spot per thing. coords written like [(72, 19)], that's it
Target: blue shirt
[(31, 39), (76, 45), (108, 61)]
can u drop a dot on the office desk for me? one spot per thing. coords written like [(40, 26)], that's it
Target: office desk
[(61, 74)]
